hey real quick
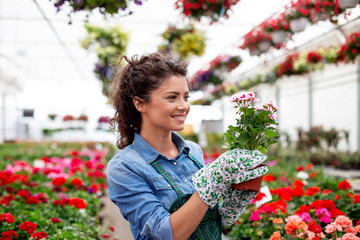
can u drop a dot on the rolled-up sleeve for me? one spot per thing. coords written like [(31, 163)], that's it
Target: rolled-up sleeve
[(137, 202)]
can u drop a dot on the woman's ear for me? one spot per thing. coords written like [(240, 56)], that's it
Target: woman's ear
[(139, 104)]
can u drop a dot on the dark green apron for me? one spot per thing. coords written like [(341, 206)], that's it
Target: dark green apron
[(210, 226)]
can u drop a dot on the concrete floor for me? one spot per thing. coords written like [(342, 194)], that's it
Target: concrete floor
[(111, 215)]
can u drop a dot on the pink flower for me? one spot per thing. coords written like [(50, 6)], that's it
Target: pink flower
[(349, 236), (323, 214), (332, 227), (255, 216), (305, 216), (343, 221)]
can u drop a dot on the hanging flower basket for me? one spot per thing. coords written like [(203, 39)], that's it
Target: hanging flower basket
[(278, 36), (211, 10), (254, 52), (264, 46), (348, 3), (183, 42), (299, 24)]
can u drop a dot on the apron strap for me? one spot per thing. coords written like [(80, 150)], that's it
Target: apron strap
[(155, 164), (195, 161), (167, 177)]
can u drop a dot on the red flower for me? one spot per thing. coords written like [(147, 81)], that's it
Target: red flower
[(112, 228), (344, 185), (32, 200), (357, 223), (6, 178), (298, 183), (311, 191), (24, 193), (336, 212), (313, 57), (58, 202), (356, 198), (269, 178), (39, 235), (55, 220), (76, 182), (8, 235), (300, 168), (259, 196), (7, 217), (297, 192), (78, 203), (59, 181), (28, 227), (326, 191), (312, 226)]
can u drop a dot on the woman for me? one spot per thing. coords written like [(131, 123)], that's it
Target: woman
[(158, 180)]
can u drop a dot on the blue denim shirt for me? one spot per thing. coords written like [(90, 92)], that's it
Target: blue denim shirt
[(143, 196)]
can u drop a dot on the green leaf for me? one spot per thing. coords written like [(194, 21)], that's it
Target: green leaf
[(270, 133)]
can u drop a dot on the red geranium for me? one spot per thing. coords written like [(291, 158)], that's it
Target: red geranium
[(28, 227), (39, 235), (8, 235), (78, 203), (24, 193), (344, 185), (313, 57), (7, 217), (76, 182), (269, 178), (59, 181), (55, 220), (356, 198)]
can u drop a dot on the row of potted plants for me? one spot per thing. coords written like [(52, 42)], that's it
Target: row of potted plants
[(277, 30), (215, 73), (52, 196), (295, 63)]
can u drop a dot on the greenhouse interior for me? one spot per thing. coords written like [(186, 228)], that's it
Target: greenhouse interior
[(270, 91)]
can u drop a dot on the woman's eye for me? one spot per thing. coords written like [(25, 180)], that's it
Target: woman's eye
[(172, 97), (186, 97)]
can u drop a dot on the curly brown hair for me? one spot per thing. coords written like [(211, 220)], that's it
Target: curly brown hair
[(138, 78)]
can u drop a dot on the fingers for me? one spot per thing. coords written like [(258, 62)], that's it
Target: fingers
[(250, 174)]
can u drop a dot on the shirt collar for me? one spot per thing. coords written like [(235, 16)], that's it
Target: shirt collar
[(150, 154)]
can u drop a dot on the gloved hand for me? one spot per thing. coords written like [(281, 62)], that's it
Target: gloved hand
[(235, 201), (230, 167)]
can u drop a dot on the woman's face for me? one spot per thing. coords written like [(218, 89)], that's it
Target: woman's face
[(168, 106)]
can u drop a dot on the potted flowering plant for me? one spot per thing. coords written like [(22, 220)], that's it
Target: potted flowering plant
[(298, 15), (183, 42), (277, 27), (108, 43), (257, 41), (213, 10), (255, 130), (105, 7), (350, 50)]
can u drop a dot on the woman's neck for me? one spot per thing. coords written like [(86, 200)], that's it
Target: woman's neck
[(161, 142)]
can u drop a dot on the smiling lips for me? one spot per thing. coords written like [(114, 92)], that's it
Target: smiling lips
[(180, 118)]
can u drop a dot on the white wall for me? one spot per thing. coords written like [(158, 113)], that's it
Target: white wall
[(334, 101)]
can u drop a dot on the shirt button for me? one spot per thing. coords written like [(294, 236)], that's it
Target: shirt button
[(174, 163), (169, 185), (185, 180)]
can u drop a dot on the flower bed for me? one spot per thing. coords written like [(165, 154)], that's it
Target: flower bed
[(55, 196), (305, 204)]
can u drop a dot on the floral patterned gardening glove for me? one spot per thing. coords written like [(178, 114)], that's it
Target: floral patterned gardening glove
[(230, 167), (233, 204)]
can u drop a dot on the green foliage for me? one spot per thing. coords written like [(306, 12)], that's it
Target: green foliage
[(255, 129)]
